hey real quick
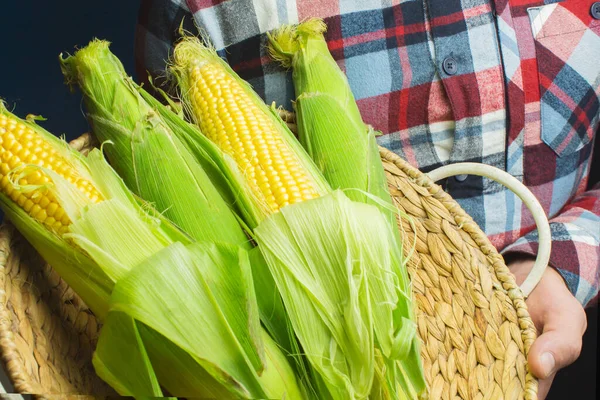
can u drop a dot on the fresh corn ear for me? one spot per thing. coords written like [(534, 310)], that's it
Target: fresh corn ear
[(57, 199), (336, 277), (142, 147), (33, 160), (330, 126), (332, 131), (303, 49), (277, 170)]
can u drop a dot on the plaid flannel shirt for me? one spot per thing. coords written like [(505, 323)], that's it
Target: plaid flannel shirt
[(510, 83)]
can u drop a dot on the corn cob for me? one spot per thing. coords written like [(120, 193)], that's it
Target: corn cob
[(276, 169), (19, 147), (355, 162), (59, 197), (228, 116)]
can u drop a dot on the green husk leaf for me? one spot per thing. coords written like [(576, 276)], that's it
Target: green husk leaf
[(177, 370), (271, 307), (337, 284), (342, 153), (275, 320), (206, 306), (220, 167), (134, 377), (103, 230), (80, 272), (114, 187), (106, 230)]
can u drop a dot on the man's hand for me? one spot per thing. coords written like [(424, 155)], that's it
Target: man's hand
[(560, 321)]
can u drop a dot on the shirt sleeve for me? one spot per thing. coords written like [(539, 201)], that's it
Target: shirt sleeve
[(158, 26), (575, 245)]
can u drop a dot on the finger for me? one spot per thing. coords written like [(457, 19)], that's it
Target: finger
[(560, 343)]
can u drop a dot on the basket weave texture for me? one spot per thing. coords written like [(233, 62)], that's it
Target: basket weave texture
[(472, 318)]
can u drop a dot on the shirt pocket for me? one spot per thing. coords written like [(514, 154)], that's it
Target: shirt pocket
[(567, 46)]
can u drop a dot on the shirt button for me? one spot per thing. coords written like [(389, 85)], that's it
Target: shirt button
[(461, 178), (450, 65), (595, 10)]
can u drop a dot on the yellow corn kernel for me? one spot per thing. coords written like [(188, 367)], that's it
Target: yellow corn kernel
[(19, 146), (228, 116)]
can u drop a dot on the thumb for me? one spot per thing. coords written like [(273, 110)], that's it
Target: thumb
[(558, 346)]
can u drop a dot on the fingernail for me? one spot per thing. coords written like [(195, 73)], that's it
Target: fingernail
[(548, 363)]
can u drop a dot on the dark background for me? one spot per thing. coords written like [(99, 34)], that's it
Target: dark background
[(34, 33)]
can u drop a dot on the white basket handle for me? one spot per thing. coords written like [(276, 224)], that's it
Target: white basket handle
[(539, 215)]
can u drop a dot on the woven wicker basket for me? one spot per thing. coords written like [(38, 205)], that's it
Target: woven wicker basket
[(472, 317)]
